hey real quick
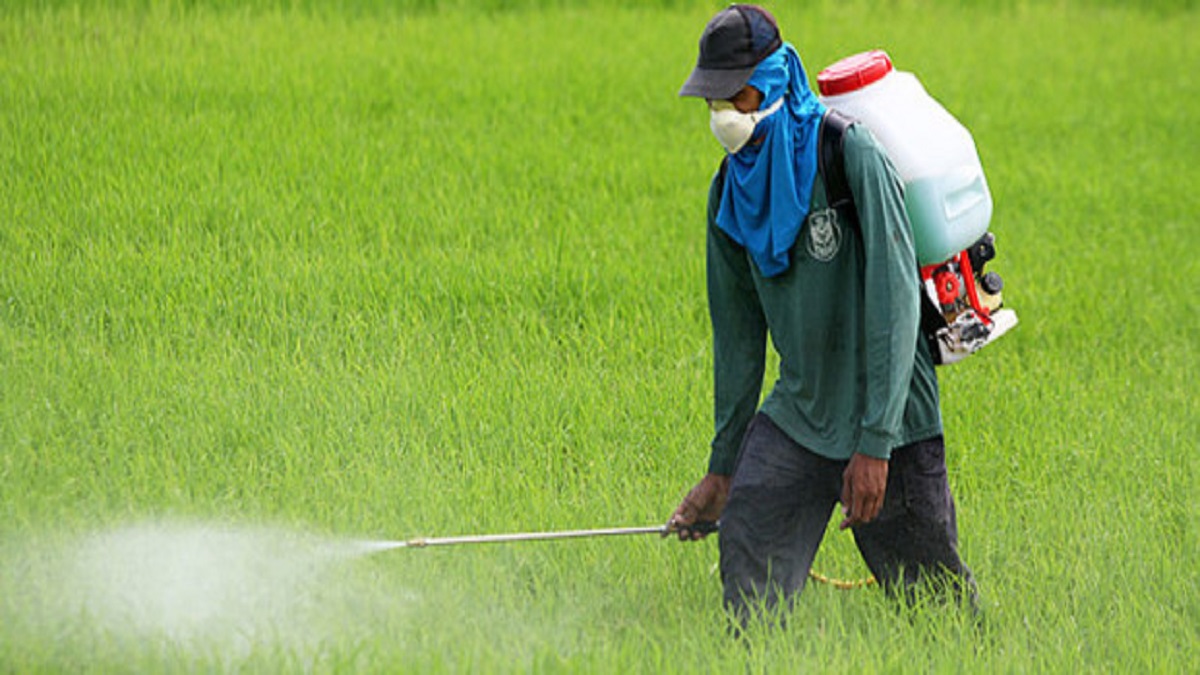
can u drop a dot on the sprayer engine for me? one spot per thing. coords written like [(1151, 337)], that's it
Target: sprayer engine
[(969, 301)]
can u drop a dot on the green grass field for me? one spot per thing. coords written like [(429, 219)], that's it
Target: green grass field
[(274, 279)]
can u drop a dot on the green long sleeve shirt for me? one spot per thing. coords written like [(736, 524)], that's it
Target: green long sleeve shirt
[(854, 374)]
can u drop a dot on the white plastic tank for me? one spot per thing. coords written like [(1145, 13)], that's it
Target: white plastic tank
[(946, 194)]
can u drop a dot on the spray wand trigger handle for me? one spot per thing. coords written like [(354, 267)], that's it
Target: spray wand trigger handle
[(698, 527)]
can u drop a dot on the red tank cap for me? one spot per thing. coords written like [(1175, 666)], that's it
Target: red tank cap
[(854, 72)]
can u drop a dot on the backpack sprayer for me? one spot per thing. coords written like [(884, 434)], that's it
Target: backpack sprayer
[(945, 194)]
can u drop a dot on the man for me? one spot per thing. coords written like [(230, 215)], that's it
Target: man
[(854, 415)]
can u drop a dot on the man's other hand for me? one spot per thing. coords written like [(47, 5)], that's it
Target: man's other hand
[(863, 485)]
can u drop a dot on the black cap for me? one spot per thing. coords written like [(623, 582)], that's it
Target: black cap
[(732, 45)]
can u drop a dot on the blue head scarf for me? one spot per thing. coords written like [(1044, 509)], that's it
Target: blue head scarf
[(768, 186)]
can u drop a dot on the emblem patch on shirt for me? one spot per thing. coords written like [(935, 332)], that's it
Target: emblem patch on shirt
[(824, 238)]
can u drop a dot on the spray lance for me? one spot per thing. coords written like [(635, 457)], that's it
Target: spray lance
[(703, 527), (700, 527)]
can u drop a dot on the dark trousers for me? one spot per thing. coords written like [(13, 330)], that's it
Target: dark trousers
[(780, 502)]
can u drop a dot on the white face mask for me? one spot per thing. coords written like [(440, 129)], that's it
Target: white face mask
[(734, 128)]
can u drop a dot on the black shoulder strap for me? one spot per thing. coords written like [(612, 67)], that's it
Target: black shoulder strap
[(831, 164)]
